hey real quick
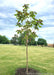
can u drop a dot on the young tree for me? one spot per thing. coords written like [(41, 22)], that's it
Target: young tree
[(26, 21)]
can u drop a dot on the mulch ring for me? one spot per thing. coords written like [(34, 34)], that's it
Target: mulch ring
[(22, 71)]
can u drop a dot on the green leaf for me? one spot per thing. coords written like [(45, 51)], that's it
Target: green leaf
[(40, 26), (15, 14), (19, 24)]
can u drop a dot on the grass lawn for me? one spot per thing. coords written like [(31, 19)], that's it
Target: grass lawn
[(13, 57)]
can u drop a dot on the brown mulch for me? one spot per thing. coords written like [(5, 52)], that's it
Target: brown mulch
[(22, 71)]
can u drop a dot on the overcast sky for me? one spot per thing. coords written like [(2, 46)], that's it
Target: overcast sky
[(44, 9)]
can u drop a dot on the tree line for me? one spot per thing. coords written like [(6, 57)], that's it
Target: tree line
[(4, 40), (31, 40), (20, 40)]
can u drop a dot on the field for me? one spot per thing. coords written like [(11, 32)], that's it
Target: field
[(13, 57)]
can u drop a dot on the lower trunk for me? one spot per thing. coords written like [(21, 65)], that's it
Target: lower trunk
[(27, 57)]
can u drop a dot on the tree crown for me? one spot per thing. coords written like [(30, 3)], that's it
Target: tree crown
[(27, 21)]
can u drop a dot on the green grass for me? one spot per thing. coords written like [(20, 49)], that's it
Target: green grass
[(13, 57)]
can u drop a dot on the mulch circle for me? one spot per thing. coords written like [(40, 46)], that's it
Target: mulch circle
[(22, 71)]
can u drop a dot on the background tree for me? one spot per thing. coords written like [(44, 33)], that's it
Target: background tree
[(4, 40), (31, 40), (53, 44), (42, 42), (26, 22), (21, 40), (14, 39)]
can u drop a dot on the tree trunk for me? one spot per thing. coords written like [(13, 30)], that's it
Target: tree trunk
[(27, 56)]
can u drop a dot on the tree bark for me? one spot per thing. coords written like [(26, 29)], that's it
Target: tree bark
[(27, 56)]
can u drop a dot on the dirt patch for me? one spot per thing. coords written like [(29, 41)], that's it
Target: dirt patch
[(22, 71)]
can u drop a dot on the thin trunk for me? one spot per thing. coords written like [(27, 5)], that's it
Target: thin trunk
[(27, 56)]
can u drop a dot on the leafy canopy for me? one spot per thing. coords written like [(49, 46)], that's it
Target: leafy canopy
[(14, 39), (42, 41), (26, 21), (4, 40), (22, 40)]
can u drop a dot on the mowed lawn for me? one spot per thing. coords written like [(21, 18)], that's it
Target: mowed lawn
[(13, 57)]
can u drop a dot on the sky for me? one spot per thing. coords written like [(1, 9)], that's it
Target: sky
[(44, 9)]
